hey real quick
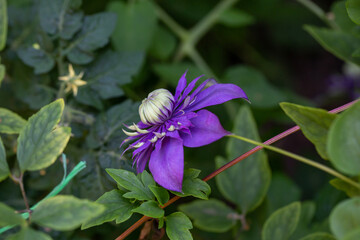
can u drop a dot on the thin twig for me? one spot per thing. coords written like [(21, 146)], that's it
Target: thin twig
[(19, 180), (228, 165), (181, 32), (205, 24)]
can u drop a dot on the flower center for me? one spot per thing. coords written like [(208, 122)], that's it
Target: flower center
[(157, 107)]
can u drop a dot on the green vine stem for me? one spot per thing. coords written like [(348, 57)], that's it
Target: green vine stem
[(300, 159), (66, 179)]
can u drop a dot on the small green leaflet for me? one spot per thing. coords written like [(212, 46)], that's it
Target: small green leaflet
[(4, 168), (193, 186), (177, 226), (313, 122), (3, 24), (345, 217), (29, 234), (282, 223), (343, 144), (47, 142), (150, 209), (116, 208), (129, 181), (65, 213), (211, 215), (10, 122), (9, 217)]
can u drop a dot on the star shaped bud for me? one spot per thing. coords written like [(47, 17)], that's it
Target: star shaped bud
[(73, 81)]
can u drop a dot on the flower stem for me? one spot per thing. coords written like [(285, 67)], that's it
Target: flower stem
[(300, 159)]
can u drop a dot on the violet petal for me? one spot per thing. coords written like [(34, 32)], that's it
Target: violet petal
[(206, 129), (167, 164), (216, 94), (142, 160), (181, 86)]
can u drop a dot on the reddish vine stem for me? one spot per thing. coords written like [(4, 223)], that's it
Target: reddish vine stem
[(228, 165)]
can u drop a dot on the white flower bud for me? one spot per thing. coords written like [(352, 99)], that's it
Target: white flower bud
[(157, 107)]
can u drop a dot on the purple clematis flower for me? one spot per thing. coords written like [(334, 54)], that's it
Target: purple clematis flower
[(170, 122)]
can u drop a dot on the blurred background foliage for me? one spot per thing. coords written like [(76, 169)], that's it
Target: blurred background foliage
[(128, 48)]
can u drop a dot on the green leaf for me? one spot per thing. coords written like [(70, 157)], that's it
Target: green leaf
[(193, 186), (59, 17), (116, 207), (150, 209), (353, 8), (340, 44), (78, 56), (161, 194), (95, 33), (88, 96), (3, 24), (9, 217), (282, 223), (275, 197), (47, 142), (2, 73), (109, 125), (134, 19), (353, 235), (211, 215), (254, 83), (345, 217), (4, 168), (29, 234), (327, 197), (113, 70), (177, 226), (129, 181), (65, 213), (304, 225), (253, 171), (356, 53), (319, 236), (343, 144), (350, 190), (313, 122), (35, 57), (31, 89), (236, 18), (171, 72), (10, 122), (342, 19), (146, 178), (163, 43)]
